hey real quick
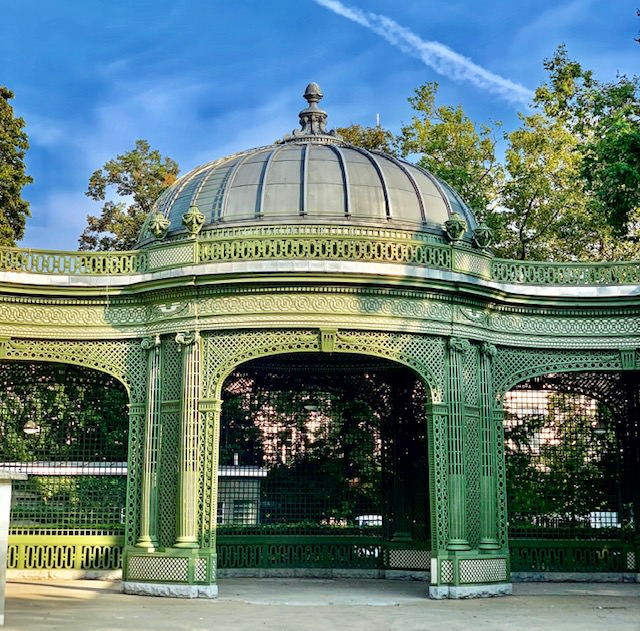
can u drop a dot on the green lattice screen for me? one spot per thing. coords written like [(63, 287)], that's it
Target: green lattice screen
[(66, 427), (563, 466), (331, 448)]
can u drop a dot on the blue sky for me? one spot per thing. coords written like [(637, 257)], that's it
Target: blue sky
[(200, 79)]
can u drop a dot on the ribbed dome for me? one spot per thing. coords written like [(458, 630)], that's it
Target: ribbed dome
[(311, 176)]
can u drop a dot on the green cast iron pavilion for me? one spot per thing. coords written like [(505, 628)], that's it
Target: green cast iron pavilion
[(326, 371)]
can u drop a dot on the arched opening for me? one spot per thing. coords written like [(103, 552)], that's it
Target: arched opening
[(571, 456), (323, 463), (66, 427)]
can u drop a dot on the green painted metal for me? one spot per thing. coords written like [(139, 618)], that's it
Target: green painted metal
[(88, 552), (544, 555), (469, 325)]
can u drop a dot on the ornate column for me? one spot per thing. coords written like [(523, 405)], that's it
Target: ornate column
[(488, 437), (188, 456), (149, 497), (456, 479), (210, 410)]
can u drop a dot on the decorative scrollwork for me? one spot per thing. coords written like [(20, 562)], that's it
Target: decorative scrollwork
[(187, 339)]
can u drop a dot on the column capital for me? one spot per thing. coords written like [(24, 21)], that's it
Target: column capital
[(187, 339), (488, 349), (460, 344), (149, 343)]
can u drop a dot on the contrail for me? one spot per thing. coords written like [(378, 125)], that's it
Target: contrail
[(433, 54)]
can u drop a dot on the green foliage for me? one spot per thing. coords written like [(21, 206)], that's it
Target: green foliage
[(13, 178), (81, 414), (542, 198), (557, 469), (325, 462), (568, 187), (572, 189), (370, 138), (451, 147), (138, 178), (611, 155)]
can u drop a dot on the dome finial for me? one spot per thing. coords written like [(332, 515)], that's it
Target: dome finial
[(312, 118), (313, 121)]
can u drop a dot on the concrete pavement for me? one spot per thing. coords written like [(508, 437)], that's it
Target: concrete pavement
[(312, 604)]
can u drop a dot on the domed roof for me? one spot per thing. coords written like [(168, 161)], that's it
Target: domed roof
[(310, 176)]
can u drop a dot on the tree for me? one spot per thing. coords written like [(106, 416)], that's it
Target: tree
[(13, 145), (139, 176), (451, 147), (572, 187), (611, 155), (370, 138), (541, 199)]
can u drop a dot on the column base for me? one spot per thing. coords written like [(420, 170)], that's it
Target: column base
[(470, 574), (461, 545), (488, 545), (170, 572), (186, 544)]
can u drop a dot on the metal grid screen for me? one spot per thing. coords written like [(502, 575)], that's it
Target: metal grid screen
[(563, 467), (336, 449), (66, 427)]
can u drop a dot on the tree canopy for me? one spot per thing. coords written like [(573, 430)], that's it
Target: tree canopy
[(568, 186), (13, 177), (452, 147), (372, 138), (138, 177)]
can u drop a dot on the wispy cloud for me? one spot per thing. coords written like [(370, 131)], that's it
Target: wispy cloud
[(436, 55)]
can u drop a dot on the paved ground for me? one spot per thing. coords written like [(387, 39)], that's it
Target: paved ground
[(314, 604)]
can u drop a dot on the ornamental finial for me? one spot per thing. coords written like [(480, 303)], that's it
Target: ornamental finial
[(312, 121), (312, 118)]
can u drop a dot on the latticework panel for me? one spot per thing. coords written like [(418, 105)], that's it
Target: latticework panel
[(471, 376), (501, 482), (439, 474), (171, 370), (159, 569), (169, 440), (124, 359), (472, 263), (225, 351), (136, 446), (408, 559), (446, 571), (483, 570), (171, 256), (513, 365), (222, 352)]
